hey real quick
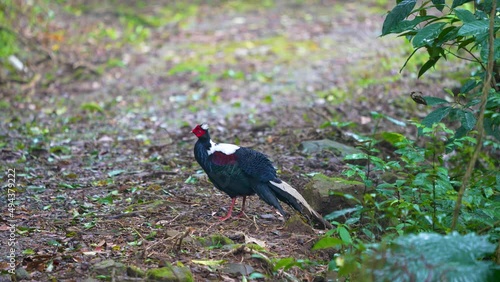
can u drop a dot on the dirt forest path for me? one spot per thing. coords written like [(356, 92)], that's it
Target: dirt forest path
[(101, 140)]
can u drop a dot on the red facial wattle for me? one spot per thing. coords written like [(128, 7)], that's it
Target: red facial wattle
[(198, 131)]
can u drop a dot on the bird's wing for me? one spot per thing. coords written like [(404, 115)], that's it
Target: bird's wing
[(255, 165)]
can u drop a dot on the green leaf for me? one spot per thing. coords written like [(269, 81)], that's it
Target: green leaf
[(135, 243), (431, 101), (436, 116), (9, 41), (395, 121), (465, 15), (345, 195), (468, 120), (457, 3), (209, 262), (492, 128), (497, 177), (268, 99), (256, 275), (326, 243), (357, 156), (108, 200), (115, 172), (284, 263), (92, 107), (89, 225), (429, 64), (469, 85), (410, 24), (53, 242), (399, 13), (67, 186), (426, 35), (452, 257), (191, 180), (477, 28), (439, 4), (28, 252), (344, 235), (342, 212), (496, 50), (447, 34), (393, 137)]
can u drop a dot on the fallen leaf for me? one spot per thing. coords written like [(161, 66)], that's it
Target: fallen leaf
[(365, 120), (249, 239), (209, 262)]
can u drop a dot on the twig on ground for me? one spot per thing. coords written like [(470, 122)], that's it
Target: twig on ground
[(189, 231), (255, 224)]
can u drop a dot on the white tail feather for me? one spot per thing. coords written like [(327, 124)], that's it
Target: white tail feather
[(290, 190)]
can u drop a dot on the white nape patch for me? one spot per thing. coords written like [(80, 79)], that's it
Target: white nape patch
[(227, 149), (204, 126)]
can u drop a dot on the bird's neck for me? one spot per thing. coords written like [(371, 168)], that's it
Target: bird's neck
[(201, 149), (206, 142)]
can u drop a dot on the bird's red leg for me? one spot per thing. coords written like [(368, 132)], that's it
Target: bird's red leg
[(242, 212), (228, 215)]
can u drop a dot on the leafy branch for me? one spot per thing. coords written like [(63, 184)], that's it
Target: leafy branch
[(480, 122)]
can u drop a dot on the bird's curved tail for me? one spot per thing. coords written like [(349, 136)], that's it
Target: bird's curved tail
[(293, 198)]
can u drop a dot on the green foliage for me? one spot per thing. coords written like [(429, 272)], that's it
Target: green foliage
[(398, 14), (9, 43), (415, 190), (8, 38), (459, 32), (326, 243), (15, 16), (432, 257)]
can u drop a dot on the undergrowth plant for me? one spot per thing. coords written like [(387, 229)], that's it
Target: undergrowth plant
[(431, 185), (465, 30)]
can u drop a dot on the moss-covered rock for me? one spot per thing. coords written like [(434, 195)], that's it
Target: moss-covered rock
[(319, 193), (22, 274), (295, 224), (134, 271), (162, 274), (215, 240), (109, 267), (170, 273)]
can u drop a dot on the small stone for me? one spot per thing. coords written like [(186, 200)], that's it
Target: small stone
[(106, 267), (238, 268), (21, 274), (267, 216), (296, 225), (316, 146)]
